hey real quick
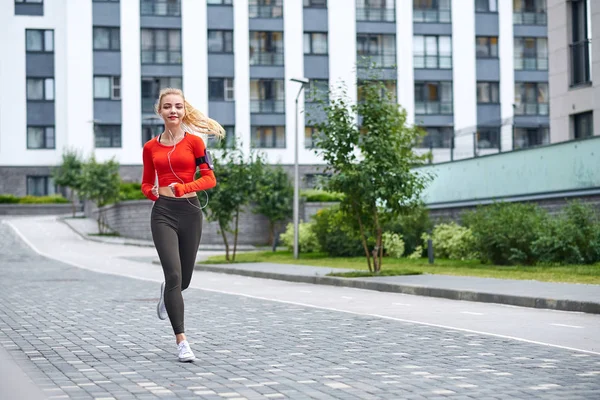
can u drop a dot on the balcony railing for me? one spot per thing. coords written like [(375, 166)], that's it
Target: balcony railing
[(266, 59), (431, 15), (530, 18), (267, 106), (433, 108), (580, 62), (376, 60), (255, 11), (161, 8), (532, 109), (433, 62), (531, 63), (161, 57), (376, 14), (488, 139), (437, 140)]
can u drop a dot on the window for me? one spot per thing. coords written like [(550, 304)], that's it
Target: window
[(220, 41), (161, 46), (531, 98), (29, 1), (580, 43), (309, 134), (488, 92), (40, 89), (529, 12), (388, 86), (39, 40), (431, 11), (315, 3), (433, 97), (228, 143), (220, 89), (488, 138), (40, 137), (317, 91), (267, 96), (107, 38), (437, 137), (268, 137), (376, 49), (530, 137), (265, 8), (316, 181), (376, 10), (161, 7), (315, 43), (531, 53), (151, 88), (486, 6), (486, 46), (105, 1), (107, 136), (432, 52), (583, 125), (150, 131), (107, 87), (266, 48), (219, 2), (41, 186)]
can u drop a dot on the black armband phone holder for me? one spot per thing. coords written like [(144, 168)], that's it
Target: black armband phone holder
[(206, 159)]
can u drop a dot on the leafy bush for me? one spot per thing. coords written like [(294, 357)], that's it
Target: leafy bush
[(393, 244), (8, 199), (504, 232), (336, 233), (53, 199), (321, 196), (418, 253), (573, 237), (130, 191), (307, 240), (411, 227), (453, 241)]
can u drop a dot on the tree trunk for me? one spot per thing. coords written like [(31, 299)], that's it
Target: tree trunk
[(72, 199), (271, 233), (235, 235), (224, 235), (364, 242), (379, 244)]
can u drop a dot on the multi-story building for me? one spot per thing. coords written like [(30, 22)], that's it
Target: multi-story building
[(574, 83), (85, 74)]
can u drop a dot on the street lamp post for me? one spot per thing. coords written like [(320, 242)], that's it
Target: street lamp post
[(303, 82)]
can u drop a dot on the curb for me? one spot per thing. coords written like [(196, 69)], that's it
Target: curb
[(452, 294)]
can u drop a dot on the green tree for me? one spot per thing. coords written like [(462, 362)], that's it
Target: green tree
[(236, 176), (368, 147), (68, 174), (273, 195), (100, 182)]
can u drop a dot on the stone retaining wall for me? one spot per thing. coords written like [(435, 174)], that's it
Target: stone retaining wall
[(36, 209)]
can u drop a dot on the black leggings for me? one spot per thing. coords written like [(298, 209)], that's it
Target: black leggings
[(176, 230)]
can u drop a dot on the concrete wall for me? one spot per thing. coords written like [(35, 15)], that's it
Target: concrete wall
[(36, 209)]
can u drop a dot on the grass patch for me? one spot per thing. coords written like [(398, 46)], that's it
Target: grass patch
[(110, 234), (565, 273)]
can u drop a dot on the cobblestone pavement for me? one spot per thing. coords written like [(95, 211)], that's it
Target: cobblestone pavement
[(80, 334)]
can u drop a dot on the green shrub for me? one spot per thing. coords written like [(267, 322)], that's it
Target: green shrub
[(307, 240), (573, 237), (321, 196), (53, 199), (418, 253), (411, 227), (393, 244), (504, 232), (336, 233), (130, 191), (453, 241), (8, 199)]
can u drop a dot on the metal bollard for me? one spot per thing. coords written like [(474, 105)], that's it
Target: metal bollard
[(430, 250)]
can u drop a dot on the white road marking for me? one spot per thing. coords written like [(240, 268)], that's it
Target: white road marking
[(401, 304), (471, 313), (569, 326), (313, 306), (347, 297)]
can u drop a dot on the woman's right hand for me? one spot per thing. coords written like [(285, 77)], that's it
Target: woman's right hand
[(155, 191)]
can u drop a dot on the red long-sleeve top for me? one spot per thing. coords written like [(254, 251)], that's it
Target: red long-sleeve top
[(183, 160)]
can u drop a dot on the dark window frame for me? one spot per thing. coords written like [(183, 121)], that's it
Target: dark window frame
[(224, 87), (44, 44), (114, 143), (111, 33), (490, 91), (490, 133), (524, 107), (153, 50), (40, 78), (311, 39), (153, 129), (422, 13), (262, 144), (112, 88), (226, 36), (540, 135), (489, 47), (437, 56), (580, 63), (577, 123), (315, 4), (363, 52), (532, 12), (537, 58), (264, 9), (423, 86), (45, 145), (156, 84), (375, 11), (220, 3), (172, 10), (262, 57), (442, 140), (486, 9), (47, 182), (230, 141)]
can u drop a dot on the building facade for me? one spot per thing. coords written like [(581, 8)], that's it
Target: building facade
[(84, 74), (575, 59)]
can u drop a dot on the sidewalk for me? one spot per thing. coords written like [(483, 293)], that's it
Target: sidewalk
[(535, 294)]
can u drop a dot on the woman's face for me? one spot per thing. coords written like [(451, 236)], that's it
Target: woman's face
[(172, 109)]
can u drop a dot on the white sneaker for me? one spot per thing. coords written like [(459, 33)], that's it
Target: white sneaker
[(161, 309), (185, 353)]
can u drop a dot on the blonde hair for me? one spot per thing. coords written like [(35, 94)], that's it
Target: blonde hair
[(194, 121)]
